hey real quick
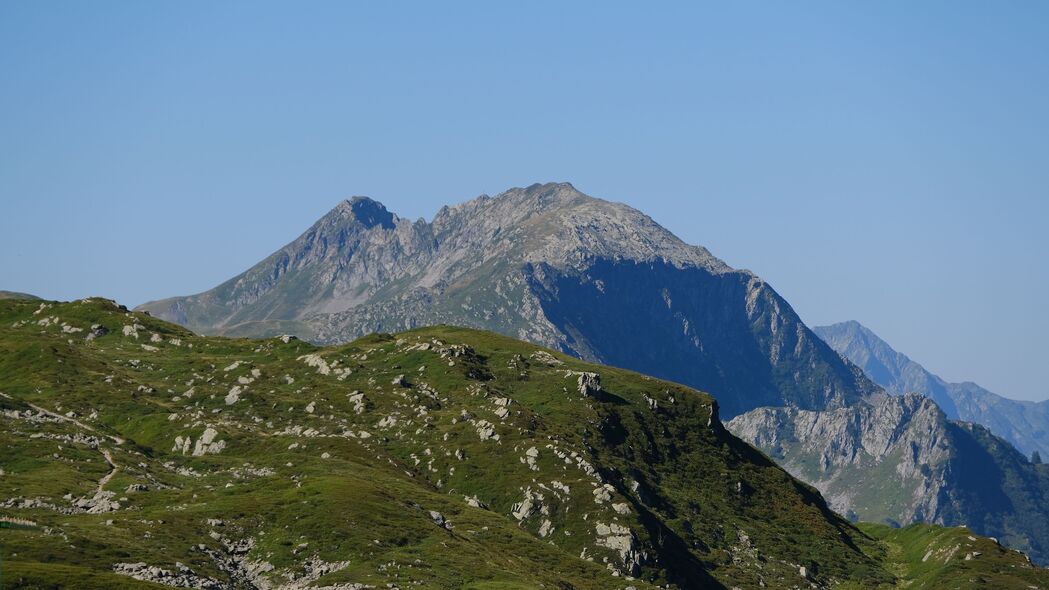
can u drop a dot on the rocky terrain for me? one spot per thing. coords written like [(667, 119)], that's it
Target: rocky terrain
[(1023, 423), (900, 460), (140, 455), (547, 264)]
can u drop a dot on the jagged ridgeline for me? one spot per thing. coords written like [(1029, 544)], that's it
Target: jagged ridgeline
[(436, 458), (547, 264), (1023, 423)]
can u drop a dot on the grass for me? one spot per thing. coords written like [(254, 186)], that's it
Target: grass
[(354, 481)]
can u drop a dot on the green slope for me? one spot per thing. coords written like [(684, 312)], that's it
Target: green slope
[(436, 458), (928, 557)]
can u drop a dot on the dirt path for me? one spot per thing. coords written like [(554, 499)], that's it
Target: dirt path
[(113, 471), (115, 439)]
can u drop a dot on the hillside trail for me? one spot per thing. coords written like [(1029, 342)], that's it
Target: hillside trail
[(114, 468), (114, 438)]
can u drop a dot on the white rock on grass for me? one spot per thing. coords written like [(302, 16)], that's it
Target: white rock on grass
[(589, 384), (207, 445), (439, 520), (357, 399), (530, 457), (603, 493), (316, 361), (486, 430), (475, 502), (546, 528)]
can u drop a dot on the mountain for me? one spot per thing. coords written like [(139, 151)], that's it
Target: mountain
[(140, 455), (16, 295), (1023, 423), (900, 460), (597, 280)]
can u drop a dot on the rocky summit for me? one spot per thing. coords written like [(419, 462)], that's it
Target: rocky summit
[(547, 264), (900, 460), (1023, 423), (138, 454)]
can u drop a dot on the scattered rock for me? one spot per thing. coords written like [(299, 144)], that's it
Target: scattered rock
[(183, 578), (589, 384), (207, 445), (439, 520)]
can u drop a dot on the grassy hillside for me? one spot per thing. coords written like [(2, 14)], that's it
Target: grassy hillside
[(436, 458), (927, 557)]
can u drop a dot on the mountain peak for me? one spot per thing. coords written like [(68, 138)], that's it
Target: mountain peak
[(368, 212)]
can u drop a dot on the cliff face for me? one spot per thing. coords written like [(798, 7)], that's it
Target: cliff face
[(547, 264), (899, 459)]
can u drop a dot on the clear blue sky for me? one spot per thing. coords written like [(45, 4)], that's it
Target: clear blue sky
[(882, 161)]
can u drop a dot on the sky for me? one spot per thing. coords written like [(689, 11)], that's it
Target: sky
[(881, 161)]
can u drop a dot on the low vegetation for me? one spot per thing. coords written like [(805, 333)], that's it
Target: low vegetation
[(146, 456)]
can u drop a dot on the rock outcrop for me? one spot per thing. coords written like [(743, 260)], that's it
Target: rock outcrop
[(900, 460)]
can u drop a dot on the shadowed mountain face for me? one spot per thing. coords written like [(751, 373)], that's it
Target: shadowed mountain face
[(1025, 424), (547, 264)]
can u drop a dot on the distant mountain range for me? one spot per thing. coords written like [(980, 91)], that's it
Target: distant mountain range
[(1023, 423), (16, 295), (548, 264)]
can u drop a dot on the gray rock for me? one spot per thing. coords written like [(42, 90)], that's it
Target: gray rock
[(589, 384)]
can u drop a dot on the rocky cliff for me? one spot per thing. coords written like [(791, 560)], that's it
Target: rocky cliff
[(899, 460)]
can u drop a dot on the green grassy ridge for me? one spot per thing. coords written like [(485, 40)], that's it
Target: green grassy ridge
[(703, 509), (928, 556)]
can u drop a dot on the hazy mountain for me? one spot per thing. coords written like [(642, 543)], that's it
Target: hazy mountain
[(436, 458), (899, 459), (547, 264), (16, 295), (1023, 423)]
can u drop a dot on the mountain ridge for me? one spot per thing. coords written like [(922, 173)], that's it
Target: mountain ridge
[(1023, 423)]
